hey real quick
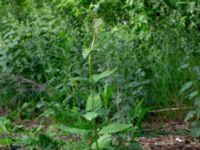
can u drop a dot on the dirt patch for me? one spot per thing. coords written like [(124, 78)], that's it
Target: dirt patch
[(169, 143), (167, 136)]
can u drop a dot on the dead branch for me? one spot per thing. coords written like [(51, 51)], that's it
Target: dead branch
[(170, 109)]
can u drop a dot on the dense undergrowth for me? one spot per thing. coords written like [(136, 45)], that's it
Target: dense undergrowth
[(95, 68)]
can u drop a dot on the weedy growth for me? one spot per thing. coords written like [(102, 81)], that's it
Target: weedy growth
[(91, 70)]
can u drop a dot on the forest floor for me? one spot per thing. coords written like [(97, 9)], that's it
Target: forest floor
[(156, 135), (168, 136)]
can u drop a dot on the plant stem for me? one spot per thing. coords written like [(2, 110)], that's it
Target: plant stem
[(90, 57), (90, 68), (90, 65), (96, 135)]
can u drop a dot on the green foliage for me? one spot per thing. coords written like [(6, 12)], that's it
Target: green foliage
[(74, 130), (97, 77), (114, 128), (92, 67), (5, 129), (90, 115), (93, 102), (103, 142)]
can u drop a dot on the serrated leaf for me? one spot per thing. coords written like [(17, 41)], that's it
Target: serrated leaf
[(114, 128), (97, 77), (90, 115), (74, 130), (186, 86), (103, 141)]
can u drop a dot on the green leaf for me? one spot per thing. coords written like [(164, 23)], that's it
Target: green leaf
[(74, 130), (190, 115), (186, 86), (171, 3), (90, 115), (103, 142), (93, 102), (107, 94), (97, 77), (77, 79), (70, 1), (197, 101), (193, 94), (184, 66), (86, 52), (4, 125), (6, 141), (114, 127), (195, 132)]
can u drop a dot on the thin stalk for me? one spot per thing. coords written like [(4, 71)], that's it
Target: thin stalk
[(90, 65), (90, 68), (96, 134), (73, 91), (90, 58)]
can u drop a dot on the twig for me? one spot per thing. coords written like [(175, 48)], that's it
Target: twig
[(170, 109)]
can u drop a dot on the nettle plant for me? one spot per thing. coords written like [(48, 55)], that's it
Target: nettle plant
[(190, 90), (96, 106), (93, 107), (194, 114)]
